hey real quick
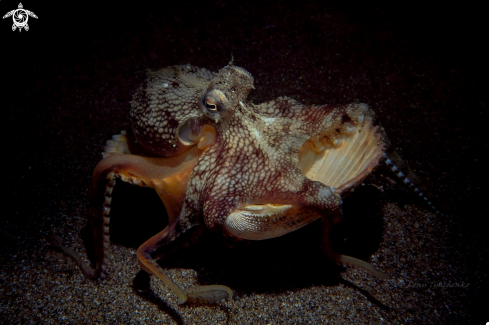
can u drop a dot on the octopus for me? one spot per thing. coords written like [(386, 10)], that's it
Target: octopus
[(223, 164)]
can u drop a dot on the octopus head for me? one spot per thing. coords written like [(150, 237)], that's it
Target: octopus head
[(231, 86), (171, 108)]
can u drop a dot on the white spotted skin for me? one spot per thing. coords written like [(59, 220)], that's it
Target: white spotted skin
[(167, 98)]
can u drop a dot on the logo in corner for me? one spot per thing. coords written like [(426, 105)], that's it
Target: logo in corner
[(20, 17)]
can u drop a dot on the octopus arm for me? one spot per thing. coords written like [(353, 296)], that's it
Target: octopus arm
[(344, 259), (205, 294), (285, 107), (296, 122), (168, 176)]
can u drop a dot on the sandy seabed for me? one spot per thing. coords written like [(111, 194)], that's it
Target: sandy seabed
[(64, 96)]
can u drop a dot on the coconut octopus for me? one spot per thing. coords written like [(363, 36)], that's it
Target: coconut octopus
[(221, 163)]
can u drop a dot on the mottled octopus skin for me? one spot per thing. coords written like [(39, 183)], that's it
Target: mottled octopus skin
[(254, 158), (209, 152)]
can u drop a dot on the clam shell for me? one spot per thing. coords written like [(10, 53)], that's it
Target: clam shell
[(347, 165)]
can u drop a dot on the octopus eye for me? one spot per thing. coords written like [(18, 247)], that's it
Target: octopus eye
[(210, 105), (213, 104)]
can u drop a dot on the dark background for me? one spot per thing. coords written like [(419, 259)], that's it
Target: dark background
[(67, 82)]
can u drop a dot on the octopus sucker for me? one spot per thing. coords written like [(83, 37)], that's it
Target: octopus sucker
[(353, 160), (243, 170), (208, 294), (254, 225)]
